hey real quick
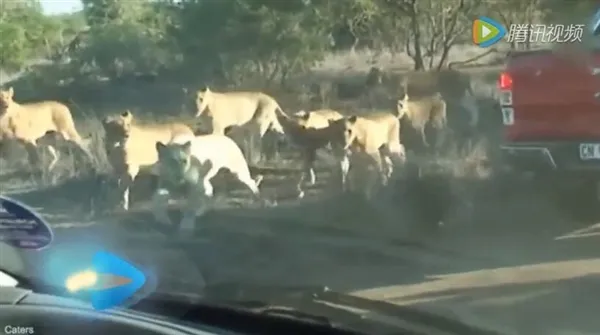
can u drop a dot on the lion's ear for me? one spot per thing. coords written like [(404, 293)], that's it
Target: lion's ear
[(160, 146), (206, 89), (127, 115), (304, 115), (352, 118), (187, 147), (10, 91)]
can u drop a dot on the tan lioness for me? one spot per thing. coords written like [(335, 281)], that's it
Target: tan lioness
[(376, 136), (26, 123), (251, 112), (307, 131), (131, 147), (231, 109), (456, 90), (422, 111)]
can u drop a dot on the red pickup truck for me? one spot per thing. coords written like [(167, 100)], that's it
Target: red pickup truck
[(550, 105)]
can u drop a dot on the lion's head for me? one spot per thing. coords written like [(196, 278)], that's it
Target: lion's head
[(342, 132), (174, 159), (118, 128), (374, 77), (301, 117), (50, 138), (6, 99), (203, 99)]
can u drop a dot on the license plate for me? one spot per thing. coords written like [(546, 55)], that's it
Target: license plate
[(506, 98), (508, 116), (589, 151)]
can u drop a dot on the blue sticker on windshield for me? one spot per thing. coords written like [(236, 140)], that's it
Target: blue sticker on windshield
[(21, 227)]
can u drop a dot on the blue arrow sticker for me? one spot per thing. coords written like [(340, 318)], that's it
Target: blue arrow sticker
[(21, 227), (125, 280)]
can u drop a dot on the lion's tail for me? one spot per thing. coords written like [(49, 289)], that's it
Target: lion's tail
[(280, 121), (258, 179)]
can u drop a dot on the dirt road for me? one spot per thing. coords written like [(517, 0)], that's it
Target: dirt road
[(515, 264)]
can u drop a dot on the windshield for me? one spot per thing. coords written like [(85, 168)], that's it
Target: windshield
[(357, 145)]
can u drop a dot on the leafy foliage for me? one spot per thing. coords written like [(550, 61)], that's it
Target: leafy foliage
[(235, 40)]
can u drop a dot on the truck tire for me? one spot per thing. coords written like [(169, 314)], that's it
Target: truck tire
[(575, 197)]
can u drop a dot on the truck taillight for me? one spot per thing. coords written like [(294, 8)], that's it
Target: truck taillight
[(505, 82), (505, 85)]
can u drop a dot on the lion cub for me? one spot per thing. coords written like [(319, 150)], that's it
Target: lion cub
[(191, 164), (26, 123), (130, 147), (375, 137)]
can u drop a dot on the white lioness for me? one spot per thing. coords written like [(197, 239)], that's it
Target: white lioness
[(26, 123), (422, 111), (375, 137), (191, 164), (307, 131), (130, 147)]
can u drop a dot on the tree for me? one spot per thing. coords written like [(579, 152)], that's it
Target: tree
[(125, 37), (511, 12), (25, 33), (240, 39), (356, 20), (434, 27)]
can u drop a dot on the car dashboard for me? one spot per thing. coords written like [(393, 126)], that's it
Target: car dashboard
[(25, 312)]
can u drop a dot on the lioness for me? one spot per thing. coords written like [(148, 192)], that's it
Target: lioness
[(191, 164), (308, 132), (26, 123), (131, 147), (255, 110), (456, 90), (376, 136), (420, 112)]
